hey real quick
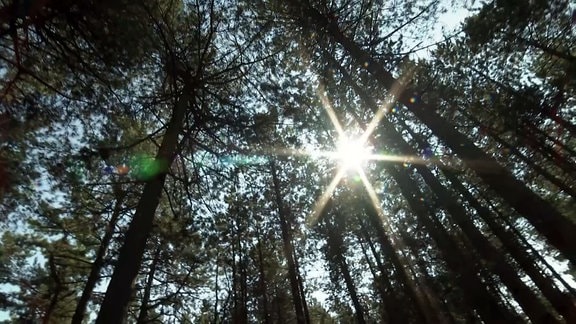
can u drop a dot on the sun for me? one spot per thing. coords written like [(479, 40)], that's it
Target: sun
[(352, 153)]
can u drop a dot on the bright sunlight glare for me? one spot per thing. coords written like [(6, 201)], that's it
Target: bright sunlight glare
[(352, 153)]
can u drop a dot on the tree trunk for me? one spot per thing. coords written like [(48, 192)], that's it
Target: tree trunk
[(440, 305), (386, 304), (545, 218), (394, 306), (302, 291), (514, 150), (55, 296), (565, 305), (98, 263), (288, 249), (336, 248), (423, 311), (143, 314), (119, 291), (496, 261), (483, 301), (263, 284)]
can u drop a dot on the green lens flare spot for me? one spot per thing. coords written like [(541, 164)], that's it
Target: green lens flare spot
[(146, 167)]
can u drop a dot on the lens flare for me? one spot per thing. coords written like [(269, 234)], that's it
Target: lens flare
[(352, 153)]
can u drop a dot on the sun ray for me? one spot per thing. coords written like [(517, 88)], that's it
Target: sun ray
[(321, 203), (396, 90), (395, 241), (372, 195), (329, 110)]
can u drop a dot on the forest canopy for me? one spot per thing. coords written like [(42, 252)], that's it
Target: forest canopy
[(299, 161)]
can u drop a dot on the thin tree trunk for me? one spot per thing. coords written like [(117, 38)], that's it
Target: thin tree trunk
[(533, 140), (143, 314), (235, 303), (485, 305), (543, 216), (57, 290), (378, 283), (302, 292), (529, 301), (394, 308), (548, 50), (336, 248), (563, 304), (119, 291), (547, 137), (514, 150), (431, 290), (243, 283), (215, 320), (423, 311), (263, 283), (546, 110), (483, 301), (98, 263), (288, 248)]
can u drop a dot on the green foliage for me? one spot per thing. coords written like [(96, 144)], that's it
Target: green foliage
[(91, 86)]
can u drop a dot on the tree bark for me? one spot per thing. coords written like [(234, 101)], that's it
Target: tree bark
[(386, 304), (564, 304), (336, 248), (395, 310), (288, 248), (482, 300), (143, 314), (98, 263), (529, 301), (129, 260), (514, 150), (424, 312), (263, 282)]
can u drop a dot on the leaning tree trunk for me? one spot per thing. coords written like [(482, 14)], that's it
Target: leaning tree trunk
[(543, 216), (395, 311), (98, 263), (564, 304), (336, 249), (386, 304), (530, 162), (424, 312), (482, 299), (430, 287), (288, 249), (144, 307), (529, 301), (119, 291), (263, 285), (477, 294)]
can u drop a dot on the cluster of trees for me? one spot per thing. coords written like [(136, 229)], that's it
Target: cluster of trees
[(221, 98)]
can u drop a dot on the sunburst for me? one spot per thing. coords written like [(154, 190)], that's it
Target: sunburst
[(353, 153)]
